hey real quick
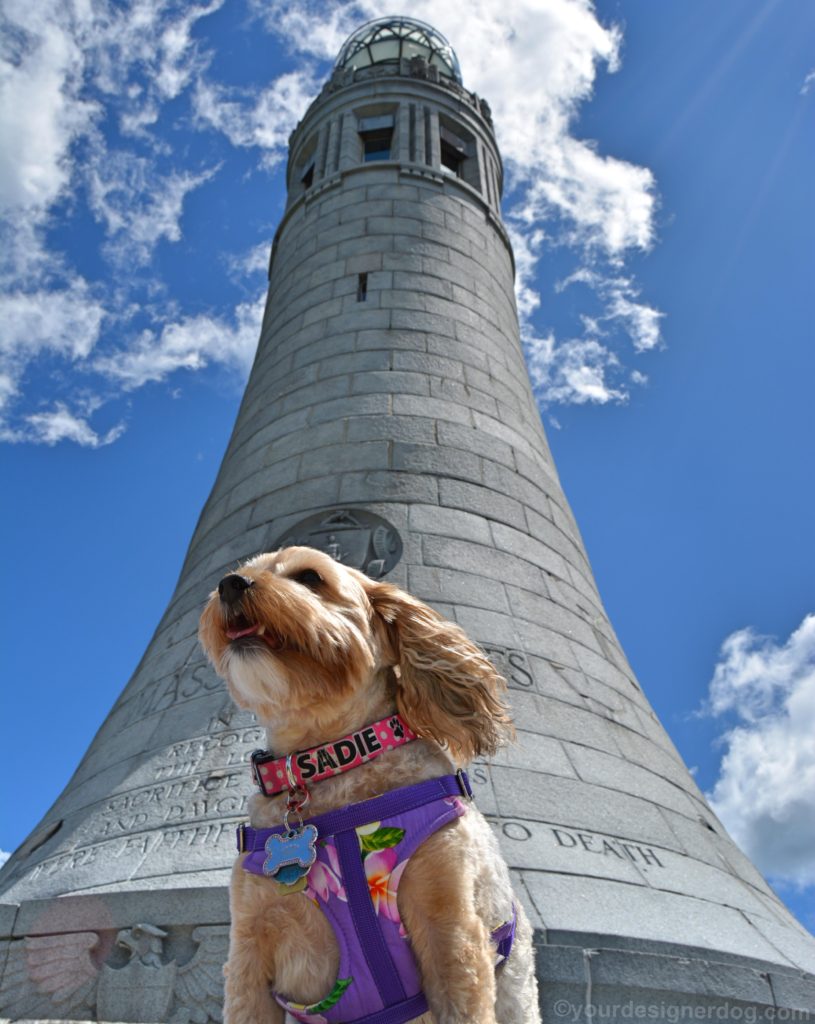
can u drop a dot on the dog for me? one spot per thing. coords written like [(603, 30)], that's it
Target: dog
[(319, 651)]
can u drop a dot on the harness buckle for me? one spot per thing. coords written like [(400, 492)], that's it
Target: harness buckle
[(464, 784), (241, 836)]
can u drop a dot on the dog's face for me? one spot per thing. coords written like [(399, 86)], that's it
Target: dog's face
[(292, 628), (294, 631)]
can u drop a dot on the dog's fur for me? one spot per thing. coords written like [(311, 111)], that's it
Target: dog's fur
[(336, 654)]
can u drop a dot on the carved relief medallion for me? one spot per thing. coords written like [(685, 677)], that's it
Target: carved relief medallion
[(354, 537)]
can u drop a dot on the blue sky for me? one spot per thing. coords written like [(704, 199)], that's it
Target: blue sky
[(658, 162)]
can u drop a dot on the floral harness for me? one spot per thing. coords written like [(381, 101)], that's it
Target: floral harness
[(361, 853)]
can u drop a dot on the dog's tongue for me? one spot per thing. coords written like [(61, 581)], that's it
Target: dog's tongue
[(236, 634)]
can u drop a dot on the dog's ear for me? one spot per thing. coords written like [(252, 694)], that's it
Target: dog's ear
[(448, 690)]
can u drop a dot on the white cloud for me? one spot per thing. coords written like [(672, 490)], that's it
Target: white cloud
[(154, 39), (575, 371), (765, 792), (809, 82), (66, 321), (619, 295), (60, 424), (266, 121), (190, 344), (41, 114), (138, 206), (3, 857)]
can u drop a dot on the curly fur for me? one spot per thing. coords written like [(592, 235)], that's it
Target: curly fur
[(328, 657)]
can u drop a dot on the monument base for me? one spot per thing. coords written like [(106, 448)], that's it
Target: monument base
[(145, 957)]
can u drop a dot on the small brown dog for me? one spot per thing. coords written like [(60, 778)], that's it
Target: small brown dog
[(319, 651)]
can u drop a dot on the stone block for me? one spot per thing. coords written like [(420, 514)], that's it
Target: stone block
[(434, 408), (564, 721), (357, 405), (390, 382), (417, 320), (365, 244), (307, 496), (478, 559), (386, 485), (444, 462), (362, 318), (479, 499), (273, 478), (402, 227), (454, 391), (365, 264), (324, 351), (537, 608), (575, 904), (322, 311), (533, 752), (464, 351), (430, 365), (421, 284), (569, 803), (643, 751), (680, 974), (607, 770), (415, 429), (339, 458), (373, 208), (8, 914), (408, 261), (392, 340), (449, 522), (352, 361), (507, 538), (459, 588), (486, 626), (794, 991)]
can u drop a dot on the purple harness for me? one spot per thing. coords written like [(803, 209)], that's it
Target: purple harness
[(362, 851)]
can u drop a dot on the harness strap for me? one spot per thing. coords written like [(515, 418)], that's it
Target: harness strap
[(398, 801), (408, 1010), (369, 934)]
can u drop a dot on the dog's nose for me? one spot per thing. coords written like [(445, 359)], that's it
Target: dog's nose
[(232, 587)]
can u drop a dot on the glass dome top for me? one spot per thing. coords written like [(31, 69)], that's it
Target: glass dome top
[(387, 40)]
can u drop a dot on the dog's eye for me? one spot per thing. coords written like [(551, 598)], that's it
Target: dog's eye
[(308, 577)]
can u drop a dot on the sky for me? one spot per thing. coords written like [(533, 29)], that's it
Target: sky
[(658, 191)]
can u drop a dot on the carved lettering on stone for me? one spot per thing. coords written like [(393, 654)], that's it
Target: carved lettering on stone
[(512, 663), (606, 846)]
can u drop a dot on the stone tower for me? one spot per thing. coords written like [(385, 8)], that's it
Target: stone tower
[(389, 420)]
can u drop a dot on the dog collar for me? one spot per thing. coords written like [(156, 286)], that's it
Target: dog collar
[(272, 773)]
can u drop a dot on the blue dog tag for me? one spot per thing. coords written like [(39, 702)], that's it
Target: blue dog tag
[(291, 854)]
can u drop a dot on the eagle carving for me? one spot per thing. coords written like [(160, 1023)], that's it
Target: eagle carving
[(65, 977)]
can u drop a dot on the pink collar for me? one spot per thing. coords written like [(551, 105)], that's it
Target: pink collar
[(307, 766)]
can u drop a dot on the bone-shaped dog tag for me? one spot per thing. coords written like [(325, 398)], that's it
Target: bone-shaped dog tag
[(291, 854)]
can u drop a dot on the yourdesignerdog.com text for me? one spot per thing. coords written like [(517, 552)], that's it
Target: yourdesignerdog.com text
[(673, 1012)]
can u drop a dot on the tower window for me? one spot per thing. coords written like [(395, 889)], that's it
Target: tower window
[(377, 145), (377, 137), (307, 176), (453, 152), (362, 288), (458, 152)]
